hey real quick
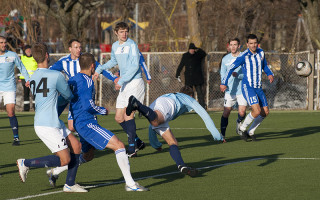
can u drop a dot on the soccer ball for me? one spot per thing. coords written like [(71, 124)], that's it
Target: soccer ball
[(303, 68)]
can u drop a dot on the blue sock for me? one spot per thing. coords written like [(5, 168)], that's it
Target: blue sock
[(15, 126), (131, 132), (147, 112), (241, 118), (81, 159), (72, 169), (123, 125), (176, 155), (223, 125), (46, 161)]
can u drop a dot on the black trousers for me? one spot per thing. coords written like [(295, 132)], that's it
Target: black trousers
[(26, 96), (200, 95)]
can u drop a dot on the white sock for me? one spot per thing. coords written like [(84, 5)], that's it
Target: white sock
[(257, 121), (58, 170), (249, 118), (123, 162)]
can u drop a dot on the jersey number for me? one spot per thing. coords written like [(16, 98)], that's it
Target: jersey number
[(44, 90)]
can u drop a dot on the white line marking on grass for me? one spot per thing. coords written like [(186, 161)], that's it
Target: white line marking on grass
[(164, 174)]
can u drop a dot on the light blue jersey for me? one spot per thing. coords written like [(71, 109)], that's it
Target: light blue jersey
[(46, 85), (126, 56), (7, 62), (234, 83)]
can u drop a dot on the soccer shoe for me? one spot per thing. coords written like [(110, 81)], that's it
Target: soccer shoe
[(132, 155), (136, 188), (188, 170), (141, 146), (238, 127), (74, 188), (244, 135), (23, 170), (253, 138), (132, 105), (16, 142), (52, 178)]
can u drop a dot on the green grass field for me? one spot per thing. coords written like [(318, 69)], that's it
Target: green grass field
[(283, 164)]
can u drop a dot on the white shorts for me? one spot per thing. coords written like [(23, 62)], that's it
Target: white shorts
[(230, 100), (8, 97), (135, 87), (53, 138), (166, 106)]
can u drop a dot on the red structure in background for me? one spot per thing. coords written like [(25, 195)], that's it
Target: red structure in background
[(106, 48)]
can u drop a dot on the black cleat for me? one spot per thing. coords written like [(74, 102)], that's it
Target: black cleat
[(188, 170), (16, 142), (141, 146), (132, 155), (132, 105), (253, 138), (243, 135)]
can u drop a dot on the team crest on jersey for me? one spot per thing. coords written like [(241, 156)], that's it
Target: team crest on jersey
[(122, 50), (9, 59)]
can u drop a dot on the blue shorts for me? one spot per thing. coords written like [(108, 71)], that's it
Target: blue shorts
[(254, 95), (94, 135), (85, 146)]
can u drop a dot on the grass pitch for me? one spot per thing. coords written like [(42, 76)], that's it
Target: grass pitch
[(283, 164)]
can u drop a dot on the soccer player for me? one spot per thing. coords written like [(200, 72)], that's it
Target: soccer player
[(83, 110), (233, 93), (46, 86), (253, 61), (70, 66), (166, 108), (125, 54), (8, 60)]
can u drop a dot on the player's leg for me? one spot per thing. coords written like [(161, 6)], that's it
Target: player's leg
[(242, 106), (9, 102), (224, 121)]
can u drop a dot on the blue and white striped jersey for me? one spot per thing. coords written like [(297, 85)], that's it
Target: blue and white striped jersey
[(126, 56), (72, 67), (234, 83), (46, 86), (252, 66), (7, 62), (82, 106), (185, 103)]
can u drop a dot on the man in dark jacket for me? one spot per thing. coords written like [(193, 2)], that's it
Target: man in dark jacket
[(193, 72)]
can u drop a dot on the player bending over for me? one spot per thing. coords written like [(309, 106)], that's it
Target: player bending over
[(166, 108)]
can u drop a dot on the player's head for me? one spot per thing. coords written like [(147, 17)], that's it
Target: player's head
[(27, 50), (40, 52), (234, 45), (187, 90), (87, 62), (252, 42), (122, 30), (3, 44), (75, 48), (192, 48)]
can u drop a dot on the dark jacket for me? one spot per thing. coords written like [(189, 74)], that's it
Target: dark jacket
[(193, 72)]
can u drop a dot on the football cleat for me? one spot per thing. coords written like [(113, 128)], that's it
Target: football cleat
[(23, 170), (132, 105), (238, 128), (244, 135), (132, 155), (74, 188), (253, 137), (141, 146), (52, 178), (136, 188), (16, 142), (188, 170)]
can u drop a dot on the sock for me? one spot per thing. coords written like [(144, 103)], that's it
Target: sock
[(257, 121), (46, 161), (131, 132), (124, 166), (72, 169), (58, 170), (176, 155), (223, 125), (123, 125), (246, 122), (147, 112), (240, 118), (14, 125), (81, 159)]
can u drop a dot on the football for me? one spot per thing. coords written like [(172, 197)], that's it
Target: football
[(303, 68)]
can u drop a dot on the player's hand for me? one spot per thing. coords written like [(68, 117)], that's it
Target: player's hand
[(95, 76), (179, 79), (116, 80), (117, 86), (235, 74), (270, 77), (223, 88), (27, 84), (148, 81)]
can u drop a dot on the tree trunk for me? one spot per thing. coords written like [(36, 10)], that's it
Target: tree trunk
[(193, 22)]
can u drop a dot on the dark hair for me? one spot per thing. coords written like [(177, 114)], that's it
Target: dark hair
[(187, 90), (234, 39), (73, 40), (39, 52), (252, 37), (1, 36), (25, 48), (86, 60), (121, 25)]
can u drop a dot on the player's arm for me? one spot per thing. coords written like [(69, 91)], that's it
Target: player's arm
[(133, 65), (106, 73), (144, 67), (180, 67), (21, 67), (58, 66), (267, 70), (223, 69), (154, 142)]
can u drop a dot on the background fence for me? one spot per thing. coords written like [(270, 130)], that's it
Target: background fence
[(288, 91)]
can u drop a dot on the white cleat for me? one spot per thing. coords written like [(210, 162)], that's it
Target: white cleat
[(23, 170), (136, 188), (238, 128), (52, 178), (74, 188)]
